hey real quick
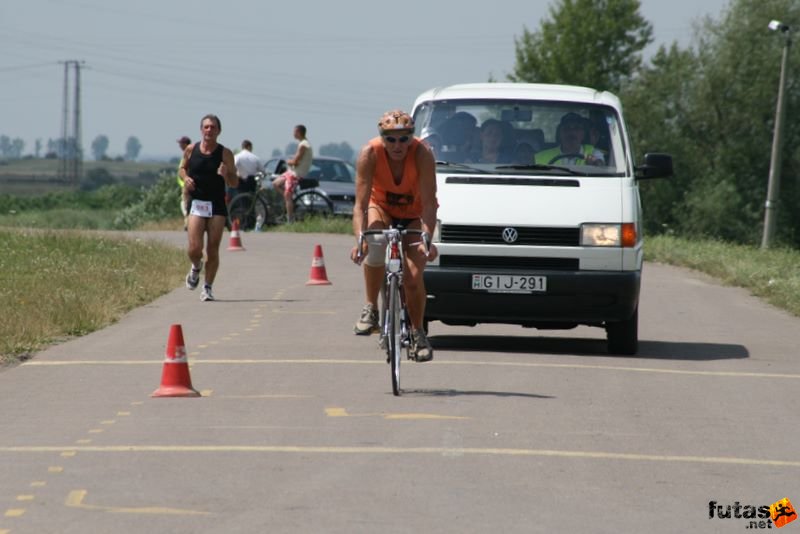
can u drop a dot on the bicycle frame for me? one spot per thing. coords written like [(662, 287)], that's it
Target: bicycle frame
[(395, 333)]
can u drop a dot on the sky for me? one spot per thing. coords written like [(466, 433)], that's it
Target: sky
[(152, 68)]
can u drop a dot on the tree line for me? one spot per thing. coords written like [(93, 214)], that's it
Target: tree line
[(56, 148), (711, 105)]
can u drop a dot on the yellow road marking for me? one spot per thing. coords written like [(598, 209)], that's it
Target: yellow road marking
[(477, 451), (4, 531), (96, 431), (75, 500), (25, 497), (333, 361), (14, 512), (38, 484), (83, 441), (206, 392), (108, 422), (123, 414), (55, 469), (68, 454)]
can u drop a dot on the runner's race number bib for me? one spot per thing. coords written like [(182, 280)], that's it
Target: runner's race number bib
[(201, 208)]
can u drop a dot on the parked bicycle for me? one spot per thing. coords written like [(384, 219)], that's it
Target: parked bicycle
[(265, 206), (395, 330)]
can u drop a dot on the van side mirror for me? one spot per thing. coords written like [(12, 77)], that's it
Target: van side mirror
[(655, 166)]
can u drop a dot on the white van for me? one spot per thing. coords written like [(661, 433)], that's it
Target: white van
[(539, 209)]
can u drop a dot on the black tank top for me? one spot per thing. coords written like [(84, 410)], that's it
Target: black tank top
[(203, 169)]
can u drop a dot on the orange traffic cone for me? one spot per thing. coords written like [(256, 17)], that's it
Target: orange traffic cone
[(236, 241), (175, 379), (318, 275)]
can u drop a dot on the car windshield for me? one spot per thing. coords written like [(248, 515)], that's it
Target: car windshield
[(331, 170), (511, 136)]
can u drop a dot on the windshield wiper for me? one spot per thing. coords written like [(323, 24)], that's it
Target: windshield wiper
[(541, 167), (461, 166)]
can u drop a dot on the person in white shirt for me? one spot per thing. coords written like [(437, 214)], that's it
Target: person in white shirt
[(247, 165), (299, 165)]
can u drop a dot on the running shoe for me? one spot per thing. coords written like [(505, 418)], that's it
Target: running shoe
[(368, 321), (421, 348), (206, 294), (193, 277)]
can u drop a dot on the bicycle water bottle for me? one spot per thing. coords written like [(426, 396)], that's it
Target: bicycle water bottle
[(259, 222), (394, 258)]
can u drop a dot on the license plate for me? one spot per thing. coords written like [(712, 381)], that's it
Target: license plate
[(506, 283)]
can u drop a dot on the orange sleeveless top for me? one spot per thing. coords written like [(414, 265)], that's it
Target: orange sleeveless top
[(402, 200)]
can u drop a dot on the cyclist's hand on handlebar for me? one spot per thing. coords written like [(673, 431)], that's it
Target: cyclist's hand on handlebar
[(357, 257), (433, 252)]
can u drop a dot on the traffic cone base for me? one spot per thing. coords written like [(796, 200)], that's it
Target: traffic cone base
[(175, 379), (318, 275), (235, 242)]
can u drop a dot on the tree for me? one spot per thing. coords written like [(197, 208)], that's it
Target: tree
[(596, 43), (715, 111), (132, 148), (341, 150), (100, 147), (11, 148)]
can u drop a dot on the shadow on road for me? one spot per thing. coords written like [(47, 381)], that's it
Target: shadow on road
[(656, 350), (458, 393)]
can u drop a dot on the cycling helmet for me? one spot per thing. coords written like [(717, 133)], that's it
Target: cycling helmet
[(395, 121)]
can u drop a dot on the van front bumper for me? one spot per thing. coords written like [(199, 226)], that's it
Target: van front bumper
[(572, 297)]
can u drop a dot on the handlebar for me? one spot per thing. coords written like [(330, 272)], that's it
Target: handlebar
[(393, 233)]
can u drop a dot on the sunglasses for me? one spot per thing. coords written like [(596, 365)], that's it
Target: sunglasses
[(393, 140)]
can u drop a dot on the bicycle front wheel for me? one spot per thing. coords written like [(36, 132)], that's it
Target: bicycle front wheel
[(393, 332), (312, 203)]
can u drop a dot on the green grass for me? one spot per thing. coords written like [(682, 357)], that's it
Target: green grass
[(772, 274), (56, 284)]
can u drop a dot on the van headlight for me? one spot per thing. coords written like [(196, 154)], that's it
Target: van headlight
[(608, 235)]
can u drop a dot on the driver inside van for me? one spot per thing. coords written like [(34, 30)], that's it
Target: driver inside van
[(571, 149)]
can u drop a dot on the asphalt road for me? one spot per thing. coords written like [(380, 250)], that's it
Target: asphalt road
[(507, 430)]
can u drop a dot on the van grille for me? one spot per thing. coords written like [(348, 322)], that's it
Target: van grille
[(493, 235), (510, 262)]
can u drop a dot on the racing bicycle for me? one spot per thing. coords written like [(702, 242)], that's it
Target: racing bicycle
[(395, 324), (264, 205)]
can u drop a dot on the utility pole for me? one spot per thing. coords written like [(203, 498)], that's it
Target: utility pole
[(71, 154), (777, 141)]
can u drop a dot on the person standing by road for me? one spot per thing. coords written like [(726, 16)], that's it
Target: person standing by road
[(183, 142), (247, 165), (299, 165), (208, 167), (395, 184)]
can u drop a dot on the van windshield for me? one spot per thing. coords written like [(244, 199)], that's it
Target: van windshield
[(508, 134)]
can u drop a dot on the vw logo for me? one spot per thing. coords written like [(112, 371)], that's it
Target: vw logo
[(510, 235)]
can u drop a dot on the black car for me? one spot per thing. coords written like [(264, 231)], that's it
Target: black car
[(336, 178)]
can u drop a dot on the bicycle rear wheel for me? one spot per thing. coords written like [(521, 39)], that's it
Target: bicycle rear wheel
[(246, 207), (393, 332), (310, 203)]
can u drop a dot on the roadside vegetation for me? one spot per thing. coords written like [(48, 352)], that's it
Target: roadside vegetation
[(56, 284)]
